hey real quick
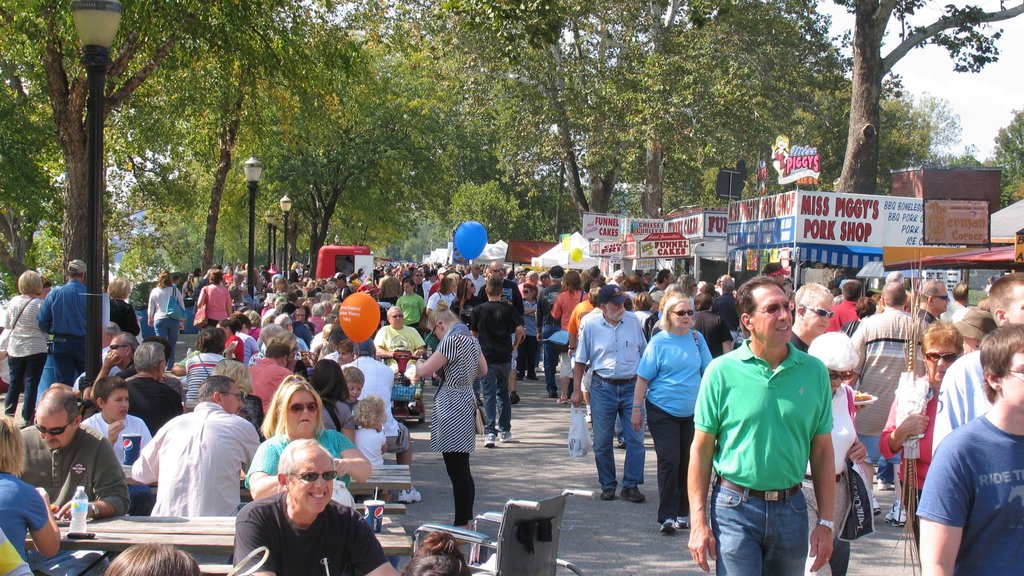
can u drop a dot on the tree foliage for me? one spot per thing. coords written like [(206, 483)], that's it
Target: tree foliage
[(1009, 155)]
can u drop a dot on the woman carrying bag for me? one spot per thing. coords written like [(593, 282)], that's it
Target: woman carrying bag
[(166, 312), (25, 345), (214, 302)]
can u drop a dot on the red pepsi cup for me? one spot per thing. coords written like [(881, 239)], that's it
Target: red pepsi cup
[(132, 447), (374, 514)]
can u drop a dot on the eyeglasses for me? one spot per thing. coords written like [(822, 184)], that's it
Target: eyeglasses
[(832, 375), (54, 431), (310, 477), (396, 315), (773, 309), (116, 346), (819, 311), (943, 296), (949, 357), (300, 407), (683, 312)]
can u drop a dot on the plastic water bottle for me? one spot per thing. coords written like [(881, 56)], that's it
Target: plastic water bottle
[(79, 511)]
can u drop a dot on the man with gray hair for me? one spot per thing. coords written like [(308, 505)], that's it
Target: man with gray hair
[(934, 301), (63, 315), (148, 397), (285, 321), (196, 458), (813, 311), (305, 531)]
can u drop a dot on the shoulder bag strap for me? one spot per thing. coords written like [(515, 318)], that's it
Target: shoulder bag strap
[(20, 312)]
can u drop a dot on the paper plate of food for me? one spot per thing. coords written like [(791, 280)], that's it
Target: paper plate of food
[(863, 399)]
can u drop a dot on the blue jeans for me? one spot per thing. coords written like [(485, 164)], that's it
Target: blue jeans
[(608, 401), (886, 468), (753, 536), (167, 328), (26, 372), (495, 389), (68, 358), (550, 357)]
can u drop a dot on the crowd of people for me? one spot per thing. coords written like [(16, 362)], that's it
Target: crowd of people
[(777, 402)]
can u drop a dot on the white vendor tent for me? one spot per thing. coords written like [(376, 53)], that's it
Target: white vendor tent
[(493, 253), (559, 256)]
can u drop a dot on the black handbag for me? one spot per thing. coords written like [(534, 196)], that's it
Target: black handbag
[(860, 521)]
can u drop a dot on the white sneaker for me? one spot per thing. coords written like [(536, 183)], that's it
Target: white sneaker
[(897, 516), (489, 440), (682, 522), (410, 496), (505, 437)]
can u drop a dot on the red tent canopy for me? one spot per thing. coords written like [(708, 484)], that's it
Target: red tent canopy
[(524, 251), (997, 258)]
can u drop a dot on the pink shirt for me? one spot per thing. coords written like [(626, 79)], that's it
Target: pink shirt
[(217, 300), (267, 375), (565, 302), (925, 460)]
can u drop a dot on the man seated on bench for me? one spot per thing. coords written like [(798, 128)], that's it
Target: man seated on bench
[(304, 530)]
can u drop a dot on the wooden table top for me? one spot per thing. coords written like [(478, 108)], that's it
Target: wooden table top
[(210, 535), (386, 477)]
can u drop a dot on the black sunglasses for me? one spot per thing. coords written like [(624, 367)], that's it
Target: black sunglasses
[(54, 431), (310, 477), (299, 407), (949, 357), (683, 312)]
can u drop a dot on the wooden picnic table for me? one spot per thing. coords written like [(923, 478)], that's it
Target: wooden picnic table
[(386, 477), (203, 535)]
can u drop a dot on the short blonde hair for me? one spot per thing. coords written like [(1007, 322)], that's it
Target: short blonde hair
[(119, 288), (370, 412), (30, 283), (353, 374), (668, 302), (12, 451), (276, 421), (236, 371)]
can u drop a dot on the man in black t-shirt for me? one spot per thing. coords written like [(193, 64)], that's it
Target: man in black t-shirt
[(499, 327), (306, 532), (148, 397)]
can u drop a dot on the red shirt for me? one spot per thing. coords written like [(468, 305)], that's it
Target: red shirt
[(267, 375), (843, 312), (239, 352)]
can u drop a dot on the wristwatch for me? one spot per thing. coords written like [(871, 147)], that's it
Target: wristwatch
[(828, 524)]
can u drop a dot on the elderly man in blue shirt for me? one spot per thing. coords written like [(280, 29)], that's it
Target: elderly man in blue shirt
[(63, 315), (612, 345)]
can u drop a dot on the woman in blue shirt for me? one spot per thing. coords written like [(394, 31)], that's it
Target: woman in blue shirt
[(23, 509), (668, 377)]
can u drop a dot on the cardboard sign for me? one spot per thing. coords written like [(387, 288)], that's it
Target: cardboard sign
[(601, 226), (956, 222), (664, 245), (703, 224)]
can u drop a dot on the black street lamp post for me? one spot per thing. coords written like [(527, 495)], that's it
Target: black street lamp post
[(286, 207), (268, 218), (96, 22), (253, 170)]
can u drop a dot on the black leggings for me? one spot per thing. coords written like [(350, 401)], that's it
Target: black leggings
[(457, 464)]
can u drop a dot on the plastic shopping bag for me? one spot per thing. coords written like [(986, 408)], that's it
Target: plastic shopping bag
[(579, 435)]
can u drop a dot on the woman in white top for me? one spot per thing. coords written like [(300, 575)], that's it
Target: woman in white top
[(836, 351), (445, 292), (160, 297), (26, 346)]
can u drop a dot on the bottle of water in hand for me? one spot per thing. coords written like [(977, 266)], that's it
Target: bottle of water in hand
[(79, 511)]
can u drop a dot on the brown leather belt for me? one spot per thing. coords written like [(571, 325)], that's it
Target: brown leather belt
[(838, 477), (766, 495)]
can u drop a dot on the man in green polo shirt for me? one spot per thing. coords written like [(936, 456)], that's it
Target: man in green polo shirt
[(762, 411)]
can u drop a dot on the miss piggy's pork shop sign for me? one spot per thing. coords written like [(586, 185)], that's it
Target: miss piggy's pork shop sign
[(858, 219), (664, 245)]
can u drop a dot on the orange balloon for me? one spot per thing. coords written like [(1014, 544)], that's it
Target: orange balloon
[(359, 316)]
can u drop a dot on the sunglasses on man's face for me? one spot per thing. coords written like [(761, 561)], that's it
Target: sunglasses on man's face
[(54, 431), (299, 407), (310, 477), (820, 312)]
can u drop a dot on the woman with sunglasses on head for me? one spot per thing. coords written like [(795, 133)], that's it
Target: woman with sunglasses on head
[(837, 353), (668, 378), (941, 346), (295, 413)]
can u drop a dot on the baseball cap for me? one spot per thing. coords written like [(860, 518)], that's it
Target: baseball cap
[(610, 293), (556, 272), (975, 324), (76, 267)]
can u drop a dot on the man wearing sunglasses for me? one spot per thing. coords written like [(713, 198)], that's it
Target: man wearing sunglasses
[(934, 301), (59, 457), (813, 312), (196, 457), (763, 411), (303, 529)]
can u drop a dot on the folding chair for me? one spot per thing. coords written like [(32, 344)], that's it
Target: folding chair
[(527, 539)]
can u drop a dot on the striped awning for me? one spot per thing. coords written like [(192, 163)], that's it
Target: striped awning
[(845, 256)]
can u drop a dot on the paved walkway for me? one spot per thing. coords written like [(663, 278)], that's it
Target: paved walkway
[(603, 538)]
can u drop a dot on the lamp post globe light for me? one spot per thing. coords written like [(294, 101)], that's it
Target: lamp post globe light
[(286, 207), (253, 169), (96, 23)]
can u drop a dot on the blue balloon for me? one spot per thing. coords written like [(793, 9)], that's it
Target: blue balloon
[(470, 239)]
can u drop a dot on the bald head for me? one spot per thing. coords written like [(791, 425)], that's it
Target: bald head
[(894, 295)]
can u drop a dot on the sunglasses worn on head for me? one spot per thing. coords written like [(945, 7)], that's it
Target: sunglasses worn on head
[(310, 477), (820, 312), (300, 407), (949, 357), (683, 312), (54, 431)]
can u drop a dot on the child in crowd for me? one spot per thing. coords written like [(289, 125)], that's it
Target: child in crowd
[(112, 422), (355, 380), (370, 437)]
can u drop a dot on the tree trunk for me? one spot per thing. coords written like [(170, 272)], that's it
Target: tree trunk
[(75, 193), (860, 165), (601, 188), (654, 186), (228, 137), (17, 243)]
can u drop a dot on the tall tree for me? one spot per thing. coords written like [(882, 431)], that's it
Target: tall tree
[(961, 30), (1009, 155)]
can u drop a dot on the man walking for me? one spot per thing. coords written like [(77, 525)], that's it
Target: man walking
[(762, 412), (725, 306), (63, 315), (611, 345), (499, 327)]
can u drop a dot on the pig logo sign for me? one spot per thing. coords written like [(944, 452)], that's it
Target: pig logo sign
[(799, 164)]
